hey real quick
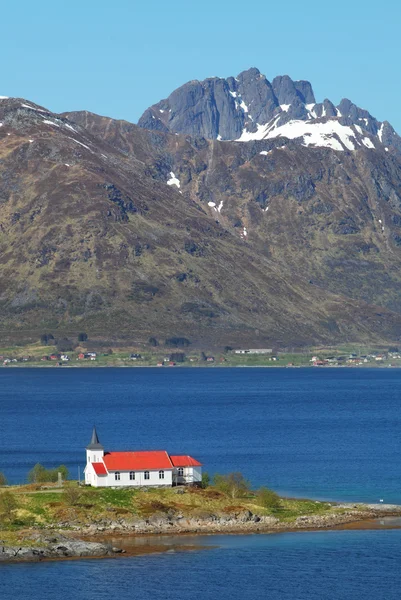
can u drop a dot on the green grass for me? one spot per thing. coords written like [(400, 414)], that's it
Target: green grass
[(43, 508)]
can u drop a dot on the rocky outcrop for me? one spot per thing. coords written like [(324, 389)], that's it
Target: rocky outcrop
[(42, 546), (251, 107), (238, 521)]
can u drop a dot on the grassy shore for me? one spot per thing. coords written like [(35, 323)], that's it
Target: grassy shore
[(38, 355), (52, 508)]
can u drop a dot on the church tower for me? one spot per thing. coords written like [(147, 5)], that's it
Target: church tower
[(95, 450)]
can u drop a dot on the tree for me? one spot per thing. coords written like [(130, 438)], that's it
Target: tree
[(8, 503), (203, 356), (178, 357), (3, 479), (267, 498), (233, 484), (153, 341), (64, 345), (227, 349), (82, 337), (177, 342), (205, 480), (37, 474), (46, 338), (64, 472)]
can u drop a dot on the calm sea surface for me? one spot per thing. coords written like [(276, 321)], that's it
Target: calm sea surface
[(330, 433)]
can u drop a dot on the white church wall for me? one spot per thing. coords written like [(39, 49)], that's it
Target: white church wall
[(110, 480)]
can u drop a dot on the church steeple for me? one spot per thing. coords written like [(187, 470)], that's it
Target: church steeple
[(94, 443)]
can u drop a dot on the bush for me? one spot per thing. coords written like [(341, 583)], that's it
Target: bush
[(233, 484), (3, 479), (267, 498), (72, 495), (39, 474), (205, 481), (8, 503), (153, 341), (82, 337)]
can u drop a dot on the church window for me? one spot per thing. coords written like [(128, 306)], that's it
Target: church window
[(161, 474), (180, 472), (132, 475), (117, 476), (147, 475)]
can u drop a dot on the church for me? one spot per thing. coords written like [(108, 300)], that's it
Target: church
[(137, 469)]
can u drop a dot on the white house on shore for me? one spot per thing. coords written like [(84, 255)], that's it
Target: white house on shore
[(137, 469)]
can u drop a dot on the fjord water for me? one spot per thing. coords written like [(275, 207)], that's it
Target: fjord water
[(337, 565), (331, 433)]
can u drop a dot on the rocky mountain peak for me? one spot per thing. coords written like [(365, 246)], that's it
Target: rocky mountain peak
[(250, 107)]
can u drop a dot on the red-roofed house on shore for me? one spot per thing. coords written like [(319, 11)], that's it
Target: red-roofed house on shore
[(136, 469)]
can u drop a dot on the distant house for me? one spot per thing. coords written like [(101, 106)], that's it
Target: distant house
[(81, 356), (54, 357), (210, 359), (136, 469), (255, 351), (135, 356)]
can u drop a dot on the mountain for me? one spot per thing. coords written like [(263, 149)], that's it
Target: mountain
[(129, 233), (249, 107)]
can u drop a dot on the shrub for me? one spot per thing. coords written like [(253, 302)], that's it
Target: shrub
[(153, 341), (72, 495), (8, 503), (3, 479), (233, 484), (267, 498), (82, 337), (45, 338), (205, 480)]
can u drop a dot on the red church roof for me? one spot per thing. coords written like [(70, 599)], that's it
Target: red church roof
[(185, 461), (137, 461), (100, 469)]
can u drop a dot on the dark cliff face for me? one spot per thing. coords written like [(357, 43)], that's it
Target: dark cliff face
[(250, 107)]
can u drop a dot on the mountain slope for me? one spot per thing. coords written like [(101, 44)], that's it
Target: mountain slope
[(129, 233)]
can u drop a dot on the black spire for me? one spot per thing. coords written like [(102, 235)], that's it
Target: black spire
[(94, 443)]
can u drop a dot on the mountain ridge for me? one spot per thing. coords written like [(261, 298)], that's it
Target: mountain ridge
[(249, 107)]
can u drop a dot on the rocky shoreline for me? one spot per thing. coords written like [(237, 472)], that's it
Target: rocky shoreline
[(67, 540), (55, 546)]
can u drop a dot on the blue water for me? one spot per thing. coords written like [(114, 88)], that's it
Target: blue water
[(331, 434), (340, 565), (319, 433)]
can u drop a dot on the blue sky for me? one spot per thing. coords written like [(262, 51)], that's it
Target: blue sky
[(117, 58)]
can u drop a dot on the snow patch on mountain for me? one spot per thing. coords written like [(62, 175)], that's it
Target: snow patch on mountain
[(173, 180), (330, 134)]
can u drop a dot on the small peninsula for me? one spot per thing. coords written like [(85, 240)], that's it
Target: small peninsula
[(39, 522)]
